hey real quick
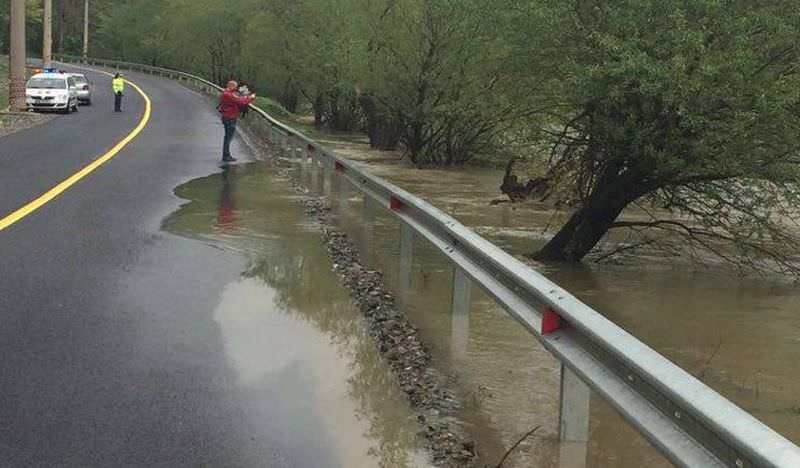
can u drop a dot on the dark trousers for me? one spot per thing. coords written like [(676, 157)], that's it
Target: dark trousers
[(117, 102), (230, 130)]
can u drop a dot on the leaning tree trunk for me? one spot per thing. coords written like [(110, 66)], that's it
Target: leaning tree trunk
[(319, 109), (591, 222), (289, 97), (382, 128), (342, 111)]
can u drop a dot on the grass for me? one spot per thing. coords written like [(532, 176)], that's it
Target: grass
[(4, 78), (276, 110), (3, 81)]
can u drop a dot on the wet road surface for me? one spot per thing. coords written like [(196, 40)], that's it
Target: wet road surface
[(123, 344)]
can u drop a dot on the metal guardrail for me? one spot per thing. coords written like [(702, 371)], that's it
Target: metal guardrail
[(688, 422)]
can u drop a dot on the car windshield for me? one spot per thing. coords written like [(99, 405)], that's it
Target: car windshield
[(47, 83)]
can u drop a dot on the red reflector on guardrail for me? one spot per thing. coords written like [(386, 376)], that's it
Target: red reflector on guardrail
[(396, 203), (311, 148), (551, 321), (339, 167)]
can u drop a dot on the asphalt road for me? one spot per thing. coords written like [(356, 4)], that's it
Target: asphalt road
[(109, 355)]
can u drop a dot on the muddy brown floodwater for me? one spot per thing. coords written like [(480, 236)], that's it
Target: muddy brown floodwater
[(288, 315), (741, 336)]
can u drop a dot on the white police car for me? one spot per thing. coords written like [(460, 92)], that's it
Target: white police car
[(52, 90)]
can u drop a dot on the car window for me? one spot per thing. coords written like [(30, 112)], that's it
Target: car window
[(47, 83), (71, 82), (79, 80)]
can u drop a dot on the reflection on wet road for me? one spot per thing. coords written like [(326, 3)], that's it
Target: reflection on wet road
[(297, 344)]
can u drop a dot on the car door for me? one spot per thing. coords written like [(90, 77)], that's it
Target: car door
[(73, 89)]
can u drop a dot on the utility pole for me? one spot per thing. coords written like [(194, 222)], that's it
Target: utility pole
[(60, 13), (85, 29), (16, 85), (47, 39)]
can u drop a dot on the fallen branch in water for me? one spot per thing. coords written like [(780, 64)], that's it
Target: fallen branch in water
[(508, 452)]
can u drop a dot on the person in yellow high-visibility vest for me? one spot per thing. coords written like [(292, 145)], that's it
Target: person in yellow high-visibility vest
[(118, 86)]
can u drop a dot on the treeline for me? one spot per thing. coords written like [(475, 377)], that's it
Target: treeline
[(67, 24), (689, 109), (430, 76)]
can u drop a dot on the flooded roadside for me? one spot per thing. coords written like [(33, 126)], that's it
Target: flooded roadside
[(290, 330), (739, 335)]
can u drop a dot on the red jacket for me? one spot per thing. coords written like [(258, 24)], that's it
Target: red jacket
[(229, 104)]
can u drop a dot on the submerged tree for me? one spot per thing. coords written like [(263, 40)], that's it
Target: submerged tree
[(438, 70), (690, 109)]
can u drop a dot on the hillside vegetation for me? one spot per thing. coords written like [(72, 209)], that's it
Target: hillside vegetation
[(688, 109)]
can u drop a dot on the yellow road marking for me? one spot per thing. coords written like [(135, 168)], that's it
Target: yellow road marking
[(74, 178)]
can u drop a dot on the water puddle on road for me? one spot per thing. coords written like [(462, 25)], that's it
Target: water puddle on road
[(290, 330)]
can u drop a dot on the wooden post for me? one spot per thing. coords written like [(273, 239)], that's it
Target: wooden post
[(16, 84), (85, 29), (47, 34)]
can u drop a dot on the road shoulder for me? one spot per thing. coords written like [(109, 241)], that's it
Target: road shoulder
[(13, 122)]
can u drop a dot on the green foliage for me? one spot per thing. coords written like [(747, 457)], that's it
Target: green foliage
[(273, 108), (437, 66), (690, 88), (688, 108), (426, 70), (3, 82), (33, 36)]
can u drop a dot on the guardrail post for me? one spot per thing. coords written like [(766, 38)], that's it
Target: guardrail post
[(310, 154), (406, 257), (303, 168), (367, 214), (284, 144), (368, 219), (314, 178), (326, 181), (344, 195), (572, 454), (462, 286), (573, 423)]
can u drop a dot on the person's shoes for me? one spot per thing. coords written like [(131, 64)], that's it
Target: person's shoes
[(228, 158)]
